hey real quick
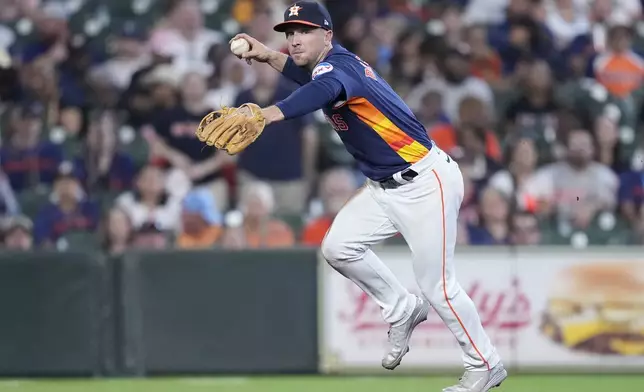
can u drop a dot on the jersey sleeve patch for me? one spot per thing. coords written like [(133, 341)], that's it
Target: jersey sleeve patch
[(321, 69)]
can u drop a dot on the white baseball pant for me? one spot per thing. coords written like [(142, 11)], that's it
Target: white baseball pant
[(425, 212)]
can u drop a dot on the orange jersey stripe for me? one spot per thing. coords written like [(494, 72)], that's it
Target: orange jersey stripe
[(408, 149)]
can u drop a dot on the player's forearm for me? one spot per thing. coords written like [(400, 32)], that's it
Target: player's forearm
[(278, 60), (310, 97), (285, 64)]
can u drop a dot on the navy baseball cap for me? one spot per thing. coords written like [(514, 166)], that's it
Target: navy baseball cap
[(308, 13)]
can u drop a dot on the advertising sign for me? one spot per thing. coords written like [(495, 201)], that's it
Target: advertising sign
[(543, 308)]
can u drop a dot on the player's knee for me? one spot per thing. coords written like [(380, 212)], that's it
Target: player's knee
[(331, 250), (335, 251)]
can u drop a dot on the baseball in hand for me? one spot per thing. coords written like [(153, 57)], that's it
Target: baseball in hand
[(239, 46)]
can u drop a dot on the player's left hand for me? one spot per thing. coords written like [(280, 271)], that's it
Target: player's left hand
[(232, 129)]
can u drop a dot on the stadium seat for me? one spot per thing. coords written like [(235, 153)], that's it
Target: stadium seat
[(31, 201), (81, 241)]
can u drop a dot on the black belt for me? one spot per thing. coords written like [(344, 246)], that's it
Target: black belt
[(391, 183)]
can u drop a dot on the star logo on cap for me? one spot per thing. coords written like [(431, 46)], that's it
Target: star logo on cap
[(294, 10)]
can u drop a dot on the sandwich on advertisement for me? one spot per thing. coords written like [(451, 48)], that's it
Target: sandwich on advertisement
[(597, 308)]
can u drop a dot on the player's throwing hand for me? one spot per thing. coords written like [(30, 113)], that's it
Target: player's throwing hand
[(258, 51)]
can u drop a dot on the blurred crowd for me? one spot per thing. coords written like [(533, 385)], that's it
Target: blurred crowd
[(540, 102)]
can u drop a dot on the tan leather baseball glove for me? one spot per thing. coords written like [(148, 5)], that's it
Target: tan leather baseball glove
[(232, 129)]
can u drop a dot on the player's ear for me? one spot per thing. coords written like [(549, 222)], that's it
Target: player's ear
[(328, 37)]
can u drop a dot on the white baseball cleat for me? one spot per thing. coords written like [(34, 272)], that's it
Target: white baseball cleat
[(399, 336), (472, 381)]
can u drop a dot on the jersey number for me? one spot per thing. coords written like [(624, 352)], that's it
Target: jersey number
[(337, 122)]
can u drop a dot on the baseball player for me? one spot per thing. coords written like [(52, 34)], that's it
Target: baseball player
[(413, 188)]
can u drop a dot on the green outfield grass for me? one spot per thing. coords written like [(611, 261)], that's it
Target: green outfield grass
[(523, 383)]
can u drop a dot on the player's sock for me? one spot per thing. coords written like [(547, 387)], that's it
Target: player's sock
[(461, 317), (377, 280)]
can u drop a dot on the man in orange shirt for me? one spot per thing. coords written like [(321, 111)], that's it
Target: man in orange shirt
[(619, 68), (260, 228), (201, 221), (336, 188)]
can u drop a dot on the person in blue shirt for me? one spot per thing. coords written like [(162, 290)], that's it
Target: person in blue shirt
[(413, 188), (26, 159), (102, 166), (294, 141), (69, 210)]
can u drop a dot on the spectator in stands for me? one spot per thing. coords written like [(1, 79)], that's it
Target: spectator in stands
[(75, 90), (451, 16), (161, 83), (450, 59), (535, 110), (619, 69), (336, 188), (566, 19), (201, 221), (608, 145), (26, 158), (524, 229), (183, 36), (153, 90), (69, 209), (235, 76), (38, 72), (354, 31), (261, 25), (17, 234), (486, 62), (8, 204), (261, 228), (130, 55), (430, 112), (151, 87), (494, 220), (102, 166), (175, 142), (521, 35), (150, 237), (472, 156), (577, 188), (471, 113), (519, 166), (150, 202), (631, 193), (456, 83), (488, 12), (116, 232), (407, 68), (602, 15), (294, 141)]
